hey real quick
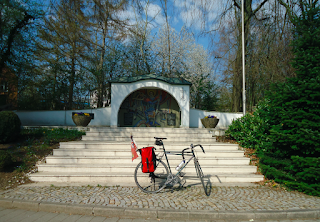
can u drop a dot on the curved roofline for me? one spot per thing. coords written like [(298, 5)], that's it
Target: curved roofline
[(131, 79)]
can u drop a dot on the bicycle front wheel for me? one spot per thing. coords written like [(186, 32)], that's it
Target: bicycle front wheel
[(151, 182), (200, 174)]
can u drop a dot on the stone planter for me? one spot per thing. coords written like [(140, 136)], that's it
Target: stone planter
[(82, 120), (209, 122)]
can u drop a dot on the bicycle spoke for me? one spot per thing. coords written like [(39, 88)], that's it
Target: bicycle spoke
[(151, 182), (156, 181)]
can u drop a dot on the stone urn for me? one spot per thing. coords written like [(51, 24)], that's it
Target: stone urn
[(82, 119), (209, 122)]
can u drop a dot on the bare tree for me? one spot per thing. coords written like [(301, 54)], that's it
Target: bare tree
[(185, 59), (61, 40), (267, 37), (80, 37), (106, 27), (295, 7), (16, 22)]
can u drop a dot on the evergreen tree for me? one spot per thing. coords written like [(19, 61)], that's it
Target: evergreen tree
[(295, 105)]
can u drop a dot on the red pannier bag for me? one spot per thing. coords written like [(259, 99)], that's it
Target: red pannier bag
[(148, 159)]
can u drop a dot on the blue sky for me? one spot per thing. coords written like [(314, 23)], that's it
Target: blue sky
[(180, 13)]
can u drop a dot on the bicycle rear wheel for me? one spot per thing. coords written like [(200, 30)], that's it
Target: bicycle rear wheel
[(151, 182), (200, 174)]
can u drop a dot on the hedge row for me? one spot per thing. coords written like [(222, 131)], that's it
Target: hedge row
[(10, 126), (299, 173)]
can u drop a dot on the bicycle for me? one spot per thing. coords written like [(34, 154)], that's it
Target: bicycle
[(162, 176)]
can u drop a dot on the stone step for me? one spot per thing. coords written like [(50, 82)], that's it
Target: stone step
[(126, 145), (103, 157), (215, 132), (149, 139), (113, 160), (121, 168), (127, 153), (127, 179), (151, 129), (148, 134)]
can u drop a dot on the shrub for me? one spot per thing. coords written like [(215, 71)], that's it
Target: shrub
[(5, 158), (306, 169), (251, 130), (285, 129), (299, 173), (10, 126), (244, 131)]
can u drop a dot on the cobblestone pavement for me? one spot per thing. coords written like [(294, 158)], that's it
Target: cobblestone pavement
[(17, 215), (237, 199)]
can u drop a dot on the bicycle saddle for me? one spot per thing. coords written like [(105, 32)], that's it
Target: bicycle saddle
[(160, 138), (159, 141)]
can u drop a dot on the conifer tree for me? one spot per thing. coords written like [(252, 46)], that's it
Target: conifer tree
[(296, 103)]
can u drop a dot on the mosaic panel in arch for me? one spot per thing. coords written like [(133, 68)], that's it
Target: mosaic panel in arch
[(149, 108)]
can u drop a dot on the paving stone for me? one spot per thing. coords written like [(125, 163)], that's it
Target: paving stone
[(72, 218), (33, 217), (47, 217), (59, 217), (98, 219), (112, 219), (12, 214), (25, 215), (85, 219), (233, 199), (125, 220), (4, 212)]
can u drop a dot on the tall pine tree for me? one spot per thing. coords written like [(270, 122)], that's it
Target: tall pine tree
[(296, 103)]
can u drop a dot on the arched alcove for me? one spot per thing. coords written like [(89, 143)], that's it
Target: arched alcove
[(123, 87), (149, 107)]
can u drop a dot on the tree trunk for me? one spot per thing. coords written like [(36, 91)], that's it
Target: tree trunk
[(71, 86)]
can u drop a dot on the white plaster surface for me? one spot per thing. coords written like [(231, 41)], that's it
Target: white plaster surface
[(119, 91), (108, 116)]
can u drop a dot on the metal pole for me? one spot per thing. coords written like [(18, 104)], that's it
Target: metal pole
[(243, 61)]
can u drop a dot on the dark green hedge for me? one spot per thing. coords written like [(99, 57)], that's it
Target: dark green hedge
[(10, 126), (5, 158), (298, 173), (285, 128)]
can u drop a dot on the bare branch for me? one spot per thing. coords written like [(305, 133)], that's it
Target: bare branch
[(260, 6), (287, 7), (235, 3)]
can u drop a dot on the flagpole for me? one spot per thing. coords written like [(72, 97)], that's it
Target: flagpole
[(243, 61)]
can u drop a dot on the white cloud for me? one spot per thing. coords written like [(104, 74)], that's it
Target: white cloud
[(192, 11), (128, 15), (155, 11)]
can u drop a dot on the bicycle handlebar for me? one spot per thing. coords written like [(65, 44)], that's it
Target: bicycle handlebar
[(201, 147), (192, 147)]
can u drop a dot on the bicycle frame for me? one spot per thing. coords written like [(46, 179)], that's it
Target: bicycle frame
[(182, 153), (160, 180)]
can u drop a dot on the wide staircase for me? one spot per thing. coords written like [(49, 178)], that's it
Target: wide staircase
[(103, 157)]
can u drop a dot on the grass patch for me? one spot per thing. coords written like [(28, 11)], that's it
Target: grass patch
[(32, 146)]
